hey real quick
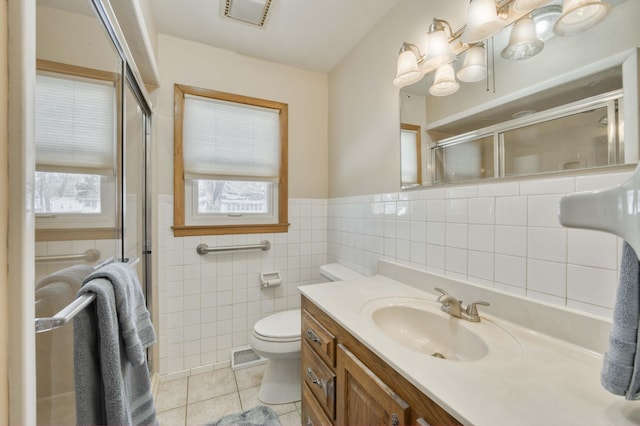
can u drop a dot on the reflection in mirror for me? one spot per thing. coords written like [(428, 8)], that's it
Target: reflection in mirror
[(78, 85), (574, 125), (584, 134), (470, 160), (410, 156)]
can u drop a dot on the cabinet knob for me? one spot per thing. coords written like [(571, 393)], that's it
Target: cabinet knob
[(309, 421), (313, 336)]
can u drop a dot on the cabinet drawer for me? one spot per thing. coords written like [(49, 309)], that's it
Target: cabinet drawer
[(320, 380), (319, 338), (312, 414)]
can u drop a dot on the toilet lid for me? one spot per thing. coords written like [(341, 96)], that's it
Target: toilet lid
[(283, 325)]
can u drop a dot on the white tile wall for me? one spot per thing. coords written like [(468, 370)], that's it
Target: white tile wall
[(209, 304), (504, 235)]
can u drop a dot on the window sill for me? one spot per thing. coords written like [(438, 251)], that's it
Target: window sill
[(192, 231), (70, 234)]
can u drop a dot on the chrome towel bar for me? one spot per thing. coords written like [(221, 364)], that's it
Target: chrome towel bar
[(65, 315), (72, 309), (204, 249)]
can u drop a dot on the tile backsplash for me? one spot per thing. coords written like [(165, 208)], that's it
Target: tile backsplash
[(502, 235)]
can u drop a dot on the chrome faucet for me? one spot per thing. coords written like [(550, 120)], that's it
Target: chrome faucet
[(453, 307)]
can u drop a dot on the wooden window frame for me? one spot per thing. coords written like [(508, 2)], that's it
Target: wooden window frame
[(180, 229)]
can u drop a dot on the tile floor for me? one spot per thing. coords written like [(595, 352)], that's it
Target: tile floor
[(203, 398)]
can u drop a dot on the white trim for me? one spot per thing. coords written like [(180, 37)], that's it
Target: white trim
[(105, 219), (192, 217)]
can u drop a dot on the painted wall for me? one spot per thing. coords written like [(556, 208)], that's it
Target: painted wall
[(4, 212), (196, 64), (21, 358), (57, 40), (363, 103)]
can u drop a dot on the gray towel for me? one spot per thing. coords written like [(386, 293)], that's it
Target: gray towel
[(73, 275), (621, 365), (134, 320), (110, 370)]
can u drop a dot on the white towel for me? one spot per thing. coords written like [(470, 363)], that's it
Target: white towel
[(621, 365), (110, 336)]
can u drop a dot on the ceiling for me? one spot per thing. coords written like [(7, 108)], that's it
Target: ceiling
[(309, 34)]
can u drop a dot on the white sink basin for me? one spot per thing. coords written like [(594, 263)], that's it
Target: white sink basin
[(420, 326), (430, 333)]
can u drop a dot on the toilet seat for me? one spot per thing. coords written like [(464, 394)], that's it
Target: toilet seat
[(279, 327)]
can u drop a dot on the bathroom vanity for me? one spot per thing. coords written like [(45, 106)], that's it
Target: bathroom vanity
[(380, 351), (346, 383)]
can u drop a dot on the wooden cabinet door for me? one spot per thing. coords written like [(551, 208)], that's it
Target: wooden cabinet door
[(364, 399)]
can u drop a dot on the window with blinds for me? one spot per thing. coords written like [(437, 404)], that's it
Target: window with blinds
[(410, 156), (230, 162), (75, 137)]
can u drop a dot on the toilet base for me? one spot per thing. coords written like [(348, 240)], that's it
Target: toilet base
[(281, 383)]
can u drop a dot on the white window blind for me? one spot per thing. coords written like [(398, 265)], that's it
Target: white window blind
[(230, 141), (75, 125), (408, 157)]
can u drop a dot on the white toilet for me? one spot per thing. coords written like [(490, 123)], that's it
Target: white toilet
[(277, 338)]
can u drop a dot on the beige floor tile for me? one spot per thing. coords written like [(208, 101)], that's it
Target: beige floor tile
[(171, 394), (249, 377), (249, 399), (210, 385), (212, 409), (175, 417), (290, 419)]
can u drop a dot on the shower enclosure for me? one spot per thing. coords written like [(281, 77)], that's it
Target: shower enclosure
[(91, 194)]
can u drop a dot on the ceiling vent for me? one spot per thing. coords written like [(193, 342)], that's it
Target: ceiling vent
[(250, 11)]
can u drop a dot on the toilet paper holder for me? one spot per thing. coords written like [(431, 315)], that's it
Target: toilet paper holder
[(270, 279)]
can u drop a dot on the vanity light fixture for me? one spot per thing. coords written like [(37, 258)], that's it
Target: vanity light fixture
[(535, 24), (408, 71), (545, 18), (482, 21), (474, 67), (250, 11), (580, 15), (523, 6), (445, 83), (438, 51), (523, 41)]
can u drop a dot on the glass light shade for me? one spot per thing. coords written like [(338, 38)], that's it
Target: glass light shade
[(526, 6), (580, 15), (482, 21), (523, 41), (474, 67), (408, 71), (545, 18), (445, 82), (438, 51)]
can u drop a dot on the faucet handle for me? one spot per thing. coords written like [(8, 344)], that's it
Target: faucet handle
[(471, 313)]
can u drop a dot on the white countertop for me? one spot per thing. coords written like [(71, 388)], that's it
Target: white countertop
[(545, 382)]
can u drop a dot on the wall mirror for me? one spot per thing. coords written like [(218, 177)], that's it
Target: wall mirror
[(461, 135)]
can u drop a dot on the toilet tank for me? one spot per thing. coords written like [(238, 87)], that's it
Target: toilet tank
[(338, 272)]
